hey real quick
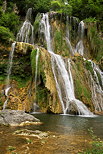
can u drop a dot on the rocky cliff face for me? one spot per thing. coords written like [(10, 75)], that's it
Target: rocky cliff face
[(22, 94), (33, 84)]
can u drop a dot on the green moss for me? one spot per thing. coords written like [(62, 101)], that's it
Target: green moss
[(21, 82), (42, 96), (33, 60), (99, 78), (82, 90), (89, 66), (96, 42), (58, 40), (78, 89), (37, 23), (82, 93), (60, 45)]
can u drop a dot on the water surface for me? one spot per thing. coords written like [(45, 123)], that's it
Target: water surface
[(66, 124)]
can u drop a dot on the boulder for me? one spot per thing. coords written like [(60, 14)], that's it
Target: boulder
[(16, 118)]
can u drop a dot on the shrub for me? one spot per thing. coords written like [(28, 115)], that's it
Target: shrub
[(10, 20), (90, 19), (5, 35), (55, 5)]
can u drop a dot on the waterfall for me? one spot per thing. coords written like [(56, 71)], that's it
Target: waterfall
[(96, 87), (9, 73), (36, 71), (80, 46), (35, 105), (26, 33), (45, 28), (63, 78)]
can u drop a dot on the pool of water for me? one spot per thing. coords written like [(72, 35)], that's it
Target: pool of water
[(67, 134), (66, 124)]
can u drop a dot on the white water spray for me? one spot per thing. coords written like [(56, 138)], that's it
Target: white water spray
[(9, 73), (96, 87), (26, 33), (63, 78), (36, 71), (80, 46)]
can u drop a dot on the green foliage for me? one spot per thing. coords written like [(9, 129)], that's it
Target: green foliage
[(67, 9), (55, 5), (42, 5), (96, 42), (97, 144), (60, 7), (5, 35), (90, 19), (10, 20), (87, 8), (11, 148), (21, 82)]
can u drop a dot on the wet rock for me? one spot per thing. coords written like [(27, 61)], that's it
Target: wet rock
[(36, 133), (23, 48), (17, 118)]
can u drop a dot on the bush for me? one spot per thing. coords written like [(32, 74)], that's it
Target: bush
[(55, 5), (90, 19), (5, 35), (60, 7), (10, 20)]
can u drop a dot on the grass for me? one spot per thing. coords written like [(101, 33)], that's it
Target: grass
[(96, 144), (11, 148)]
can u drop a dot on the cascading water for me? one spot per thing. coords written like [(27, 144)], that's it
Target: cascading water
[(35, 105), (45, 28), (36, 71), (96, 87), (9, 73), (26, 32), (80, 46), (25, 35), (63, 78)]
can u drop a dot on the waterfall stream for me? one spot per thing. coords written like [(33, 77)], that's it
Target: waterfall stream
[(26, 32), (97, 87), (22, 36), (79, 46), (9, 73), (63, 78), (36, 70)]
